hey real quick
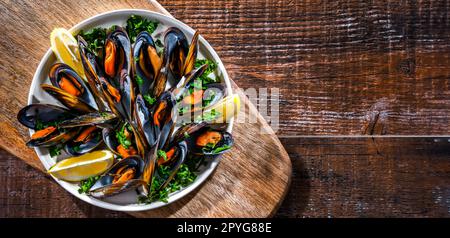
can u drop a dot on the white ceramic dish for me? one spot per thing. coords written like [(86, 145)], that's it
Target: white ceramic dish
[(125, 201)]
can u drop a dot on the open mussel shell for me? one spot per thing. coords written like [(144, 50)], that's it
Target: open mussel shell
[(146, 61), (51, 136), (202, 98), (92, 70), (210, 142), (122, 176), (144, 120), (178, 157), (164, 117), (186, 131), (127, 95), (192, 54), (117, 55), (109, 137), (87, 139), (68, 99), (101, 119), (64, 77), (37, 114), (175, 51)]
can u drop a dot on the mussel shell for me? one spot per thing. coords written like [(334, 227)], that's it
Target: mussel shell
[(167, 118), (60, 70), (227, 140), (30, 115), (144, 120), (109, 137), (175, 51), (128, 95), (211, 94), (123, 54), (186, 131), (186, 81), (79, 148), (93, 71), (54, 138), (189, 63), (146, 61), (68, 99), (104, 186), (102, 119), (181, 151)]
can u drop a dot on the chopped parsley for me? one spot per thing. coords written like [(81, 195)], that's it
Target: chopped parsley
[(137, 24), (184, 177), (206, 101), (87, 184), (139, 80), (149, 99), (54, 150), (95, 39), (208, 116), (210, 148), (120, 135), (162, 154), (212, 66)]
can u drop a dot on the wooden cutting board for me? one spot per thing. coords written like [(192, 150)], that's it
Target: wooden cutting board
[(250, 181)]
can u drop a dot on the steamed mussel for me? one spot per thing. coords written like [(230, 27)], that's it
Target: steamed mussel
[(133, 100)]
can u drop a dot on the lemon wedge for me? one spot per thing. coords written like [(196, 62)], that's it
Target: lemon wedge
[(65, 47), (223, 110), (82, 167)]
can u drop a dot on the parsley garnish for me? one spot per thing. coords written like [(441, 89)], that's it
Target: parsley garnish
[(185, 176), (137, 24), (95, 39), (120, 135), (54, 150), (212, 66), (86, 184), (149, 99), (208, 116), (139, 80), (162, 154)]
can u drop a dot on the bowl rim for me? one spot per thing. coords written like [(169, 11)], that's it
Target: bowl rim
[(202, 177)]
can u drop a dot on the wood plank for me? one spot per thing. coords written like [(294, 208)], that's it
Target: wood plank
[(333, 177), (336, 63), (365, 177), (256, 153)]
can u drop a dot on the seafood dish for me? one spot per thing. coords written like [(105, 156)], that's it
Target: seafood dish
[(136, 111)]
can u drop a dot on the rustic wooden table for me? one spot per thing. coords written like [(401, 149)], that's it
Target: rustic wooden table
[(343, 68)]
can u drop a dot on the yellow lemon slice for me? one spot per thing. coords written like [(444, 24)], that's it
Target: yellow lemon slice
[(82, 167), (223, 110), (65, 47)]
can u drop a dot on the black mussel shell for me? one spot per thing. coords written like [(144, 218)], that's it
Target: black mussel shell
[(223, 145), (101, 119), (36, 115), (146, 62), (54, 138), (105, 187), (175, 51), (65, 78), (67, 99), (87, 139), (179, 157), (117, 56)]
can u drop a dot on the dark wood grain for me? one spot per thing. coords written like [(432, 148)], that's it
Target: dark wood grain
[(366, 177), (336, 63), (334, 177)]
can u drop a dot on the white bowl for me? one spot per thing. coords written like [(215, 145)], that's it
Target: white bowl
[(122, 202)]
